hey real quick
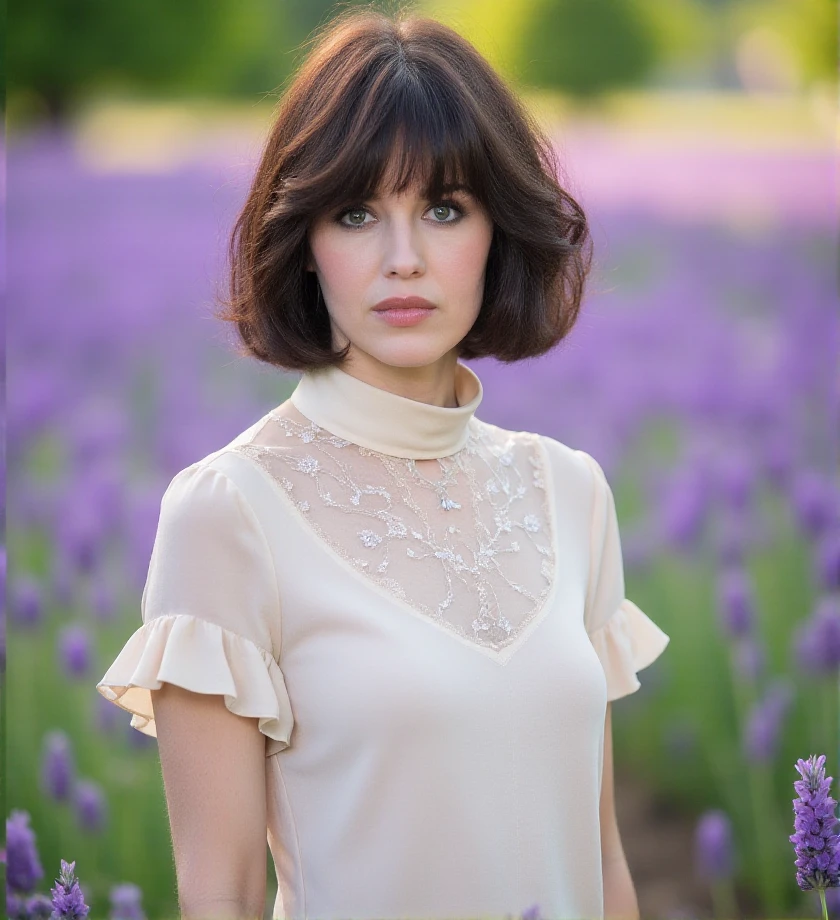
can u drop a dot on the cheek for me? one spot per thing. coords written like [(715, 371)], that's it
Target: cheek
[(464, 260), (335, 259)]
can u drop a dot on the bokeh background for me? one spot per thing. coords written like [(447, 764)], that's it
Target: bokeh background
[(703, 374)]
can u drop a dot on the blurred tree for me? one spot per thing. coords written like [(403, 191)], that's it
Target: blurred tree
[(495, 27), (681, 31), (586, 48), (59, 51), (3, 55), (306, 15), (684, 33)]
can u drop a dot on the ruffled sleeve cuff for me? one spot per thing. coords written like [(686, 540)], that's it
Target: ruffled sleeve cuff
[(203, 657), (626, 643)]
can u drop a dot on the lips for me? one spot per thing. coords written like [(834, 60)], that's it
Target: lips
[(404, 303)]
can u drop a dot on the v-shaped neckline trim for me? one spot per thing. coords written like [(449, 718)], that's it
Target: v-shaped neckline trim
[(500, 655)]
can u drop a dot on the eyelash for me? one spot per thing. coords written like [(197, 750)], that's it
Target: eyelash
[(447, 202)]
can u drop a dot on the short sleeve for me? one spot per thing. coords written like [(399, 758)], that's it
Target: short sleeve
[(209, 608), (625, 639)]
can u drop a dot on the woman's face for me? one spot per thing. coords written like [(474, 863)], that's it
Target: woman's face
[(401, 246)]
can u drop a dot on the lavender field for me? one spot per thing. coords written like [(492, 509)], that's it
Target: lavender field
[(703, 375)]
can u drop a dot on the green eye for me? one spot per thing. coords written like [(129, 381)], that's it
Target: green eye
[(353, 211), (448, 206)]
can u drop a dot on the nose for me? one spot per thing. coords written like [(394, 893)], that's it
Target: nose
[(403, 255)]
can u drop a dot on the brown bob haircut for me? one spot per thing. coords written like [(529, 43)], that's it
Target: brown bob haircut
[(406, 97)]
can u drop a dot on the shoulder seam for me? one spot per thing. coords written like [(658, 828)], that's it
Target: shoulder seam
[(266, 544)]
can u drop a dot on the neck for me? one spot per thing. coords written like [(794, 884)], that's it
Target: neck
[(387, 421)]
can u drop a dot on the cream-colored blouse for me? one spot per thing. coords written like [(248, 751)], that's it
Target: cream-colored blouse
[(426, 615)]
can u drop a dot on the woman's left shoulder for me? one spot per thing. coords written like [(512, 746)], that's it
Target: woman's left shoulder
[(566, 462)]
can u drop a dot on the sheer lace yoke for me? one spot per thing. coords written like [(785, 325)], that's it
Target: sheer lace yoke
[(466, 541)]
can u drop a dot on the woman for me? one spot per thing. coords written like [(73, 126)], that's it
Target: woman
[(377, 630)]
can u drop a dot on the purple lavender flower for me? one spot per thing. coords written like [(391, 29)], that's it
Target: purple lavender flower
[(15, 905), (532, 913), (67, 898), (815, 501), (764, 723), (144, 511), (713, 846), (80, 534), (98, 428), (778, 461), (90, 806), (99, 488), (733, 539), (39, 907), (126, 902), (107, 714), (57, 767), (817, 848), (684, 507), (735, 480), (735, 602), (817, 640), (3, 577), (137, 739), (23, 865), (33, 407), (27, 605), (103, 601), (828, 562), (74, 648)]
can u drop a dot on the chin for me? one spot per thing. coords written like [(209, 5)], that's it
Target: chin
[(411, 354), (408, 353)]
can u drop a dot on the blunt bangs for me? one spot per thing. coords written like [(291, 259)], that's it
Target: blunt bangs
[(413, 150)]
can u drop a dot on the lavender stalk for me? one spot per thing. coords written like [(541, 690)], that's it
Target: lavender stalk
[(817, 847)]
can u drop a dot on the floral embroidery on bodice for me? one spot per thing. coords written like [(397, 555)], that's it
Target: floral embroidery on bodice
[(466, 541)]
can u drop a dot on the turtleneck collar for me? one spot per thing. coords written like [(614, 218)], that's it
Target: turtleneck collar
[(383, 421)]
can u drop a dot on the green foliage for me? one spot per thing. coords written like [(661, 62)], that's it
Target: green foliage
[(684, 31), (495, 27), (61, 50), (586, 48)]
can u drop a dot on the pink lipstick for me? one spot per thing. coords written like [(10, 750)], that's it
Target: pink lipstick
[(404, 311)]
